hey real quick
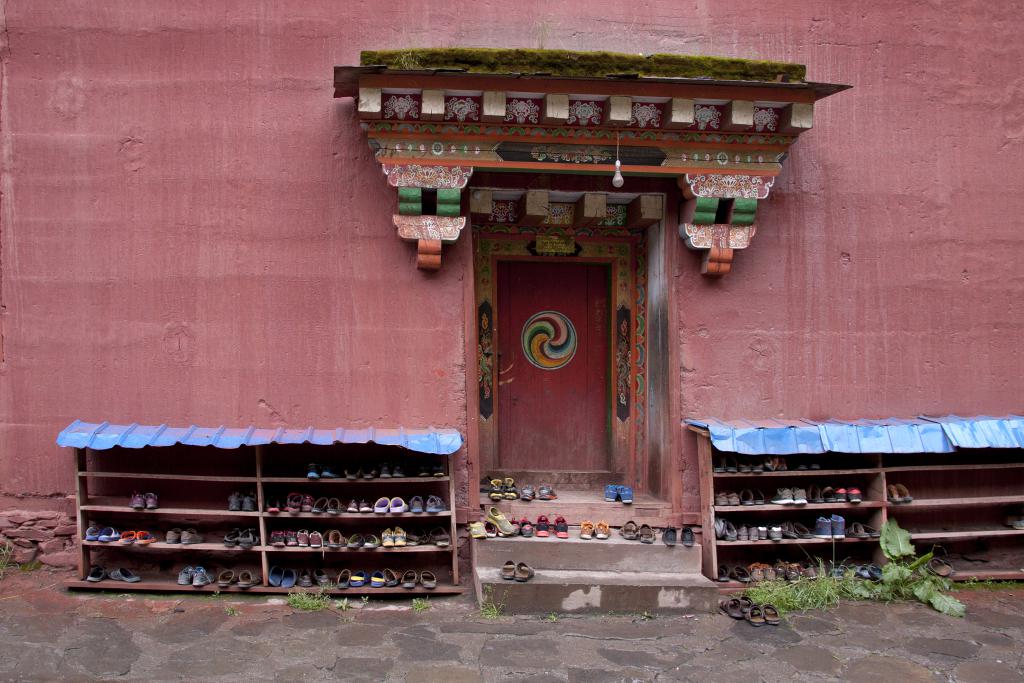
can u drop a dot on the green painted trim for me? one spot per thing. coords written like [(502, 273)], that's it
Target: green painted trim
[(570, 63), (743, 211), (704, 210), (449, 201), (410, 201)]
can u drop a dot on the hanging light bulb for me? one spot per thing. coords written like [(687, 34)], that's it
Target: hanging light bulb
[(617, 179)]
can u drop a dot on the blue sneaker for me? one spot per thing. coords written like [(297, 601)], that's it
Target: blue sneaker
[(313, 471), (838, 527), (823, 529), (626, 495), (611, 493), (327, 473)]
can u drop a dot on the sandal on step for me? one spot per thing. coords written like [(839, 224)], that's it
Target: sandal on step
[(630, 531)]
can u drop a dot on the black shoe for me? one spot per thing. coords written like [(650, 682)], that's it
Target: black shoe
[(687, 537), (235, 502), (668, 536), (249, 503)]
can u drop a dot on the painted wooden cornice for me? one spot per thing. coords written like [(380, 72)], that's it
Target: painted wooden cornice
[(724, 142)]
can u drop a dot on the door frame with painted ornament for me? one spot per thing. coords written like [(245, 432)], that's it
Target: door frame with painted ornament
[(625, 253)]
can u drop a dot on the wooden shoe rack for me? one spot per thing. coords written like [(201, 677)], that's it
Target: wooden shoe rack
[(960, 504), (193, 484)]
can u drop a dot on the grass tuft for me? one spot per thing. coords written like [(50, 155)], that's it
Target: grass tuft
[(552, 617), (987, 585), (231, 611), (342, 605), (420, 604), (30, 566), (308, 602), (6, 550), (489, 607)]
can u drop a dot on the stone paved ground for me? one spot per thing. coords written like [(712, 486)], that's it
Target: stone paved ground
[(47, 634)]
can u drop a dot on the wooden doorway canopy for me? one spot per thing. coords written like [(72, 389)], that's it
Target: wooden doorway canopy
[(721, 128)]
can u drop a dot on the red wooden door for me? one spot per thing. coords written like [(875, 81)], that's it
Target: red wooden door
[(553, 345)]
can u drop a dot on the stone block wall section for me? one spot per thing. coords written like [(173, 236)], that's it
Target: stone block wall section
[(45, 535)]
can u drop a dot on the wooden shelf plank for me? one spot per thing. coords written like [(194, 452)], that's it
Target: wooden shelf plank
[(171, 477), (164, 512), (972, 533), (988, 575), (329, 551), (342, 480), (358, 515), (155, 586), (798, 473), (980, 501), (161, 545), (867, 504), (794, 541), (965, 466)]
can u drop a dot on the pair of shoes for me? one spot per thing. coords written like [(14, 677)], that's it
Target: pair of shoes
[(426, 579), (617, 493), (316, 471), (144, 501), (385, 505), (588, 530), (127, 537), (632, 532), (239, 502), (325, 505), (393, 538), (107, 534), (830, 528), (512, 571), (544, 527), (282, 578), (669, 536), (196, 576), (546, 492), (743, 608), (425, 469), (744, 497), (296, 503), (245, 579), (794, 496), (503, 489), (244, 539), (898, 493)]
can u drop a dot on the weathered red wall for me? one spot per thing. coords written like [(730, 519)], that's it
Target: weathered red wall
[(194, 230)]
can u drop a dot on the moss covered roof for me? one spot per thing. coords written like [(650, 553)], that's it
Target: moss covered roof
[(574, 64)]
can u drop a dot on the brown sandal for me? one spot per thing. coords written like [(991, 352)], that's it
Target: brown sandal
[(755, 616), (771, 614)]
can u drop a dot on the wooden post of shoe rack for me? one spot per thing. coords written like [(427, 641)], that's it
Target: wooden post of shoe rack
[(261, 502)]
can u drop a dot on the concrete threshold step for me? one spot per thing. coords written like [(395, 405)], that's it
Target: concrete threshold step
[(576, 507), (568, 591), (613, 554)]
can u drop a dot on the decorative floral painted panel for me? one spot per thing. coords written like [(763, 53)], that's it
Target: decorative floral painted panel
[(585, 112), (522, 110), (462, 109), (647, 115), (402, 107)]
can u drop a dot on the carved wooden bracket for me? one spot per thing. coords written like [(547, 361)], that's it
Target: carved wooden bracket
[(429, 232), (718, 216)]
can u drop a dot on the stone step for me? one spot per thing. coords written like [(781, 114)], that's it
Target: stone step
[(613, 554), (566, 591), (577, 506)]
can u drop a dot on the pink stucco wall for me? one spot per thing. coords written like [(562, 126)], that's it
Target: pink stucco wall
[(192, 229)]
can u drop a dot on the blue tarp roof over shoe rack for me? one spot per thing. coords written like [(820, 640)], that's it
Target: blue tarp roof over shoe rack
[(922, 434), (103, 435)]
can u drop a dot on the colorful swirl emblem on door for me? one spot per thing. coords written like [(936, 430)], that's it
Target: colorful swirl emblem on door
[(549, 340)]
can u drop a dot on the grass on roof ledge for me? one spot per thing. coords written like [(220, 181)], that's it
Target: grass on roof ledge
[(574, 64)]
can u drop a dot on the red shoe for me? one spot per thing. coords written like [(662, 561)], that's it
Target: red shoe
[(307, 503), (561, 527), (854, 495), (294, 503), (841, 495), (542, 526)]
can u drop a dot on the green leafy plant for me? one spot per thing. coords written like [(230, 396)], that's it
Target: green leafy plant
[(420, 604), (231, 611), (904, 577), (552, 617), (342, 605), (309, 602)]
